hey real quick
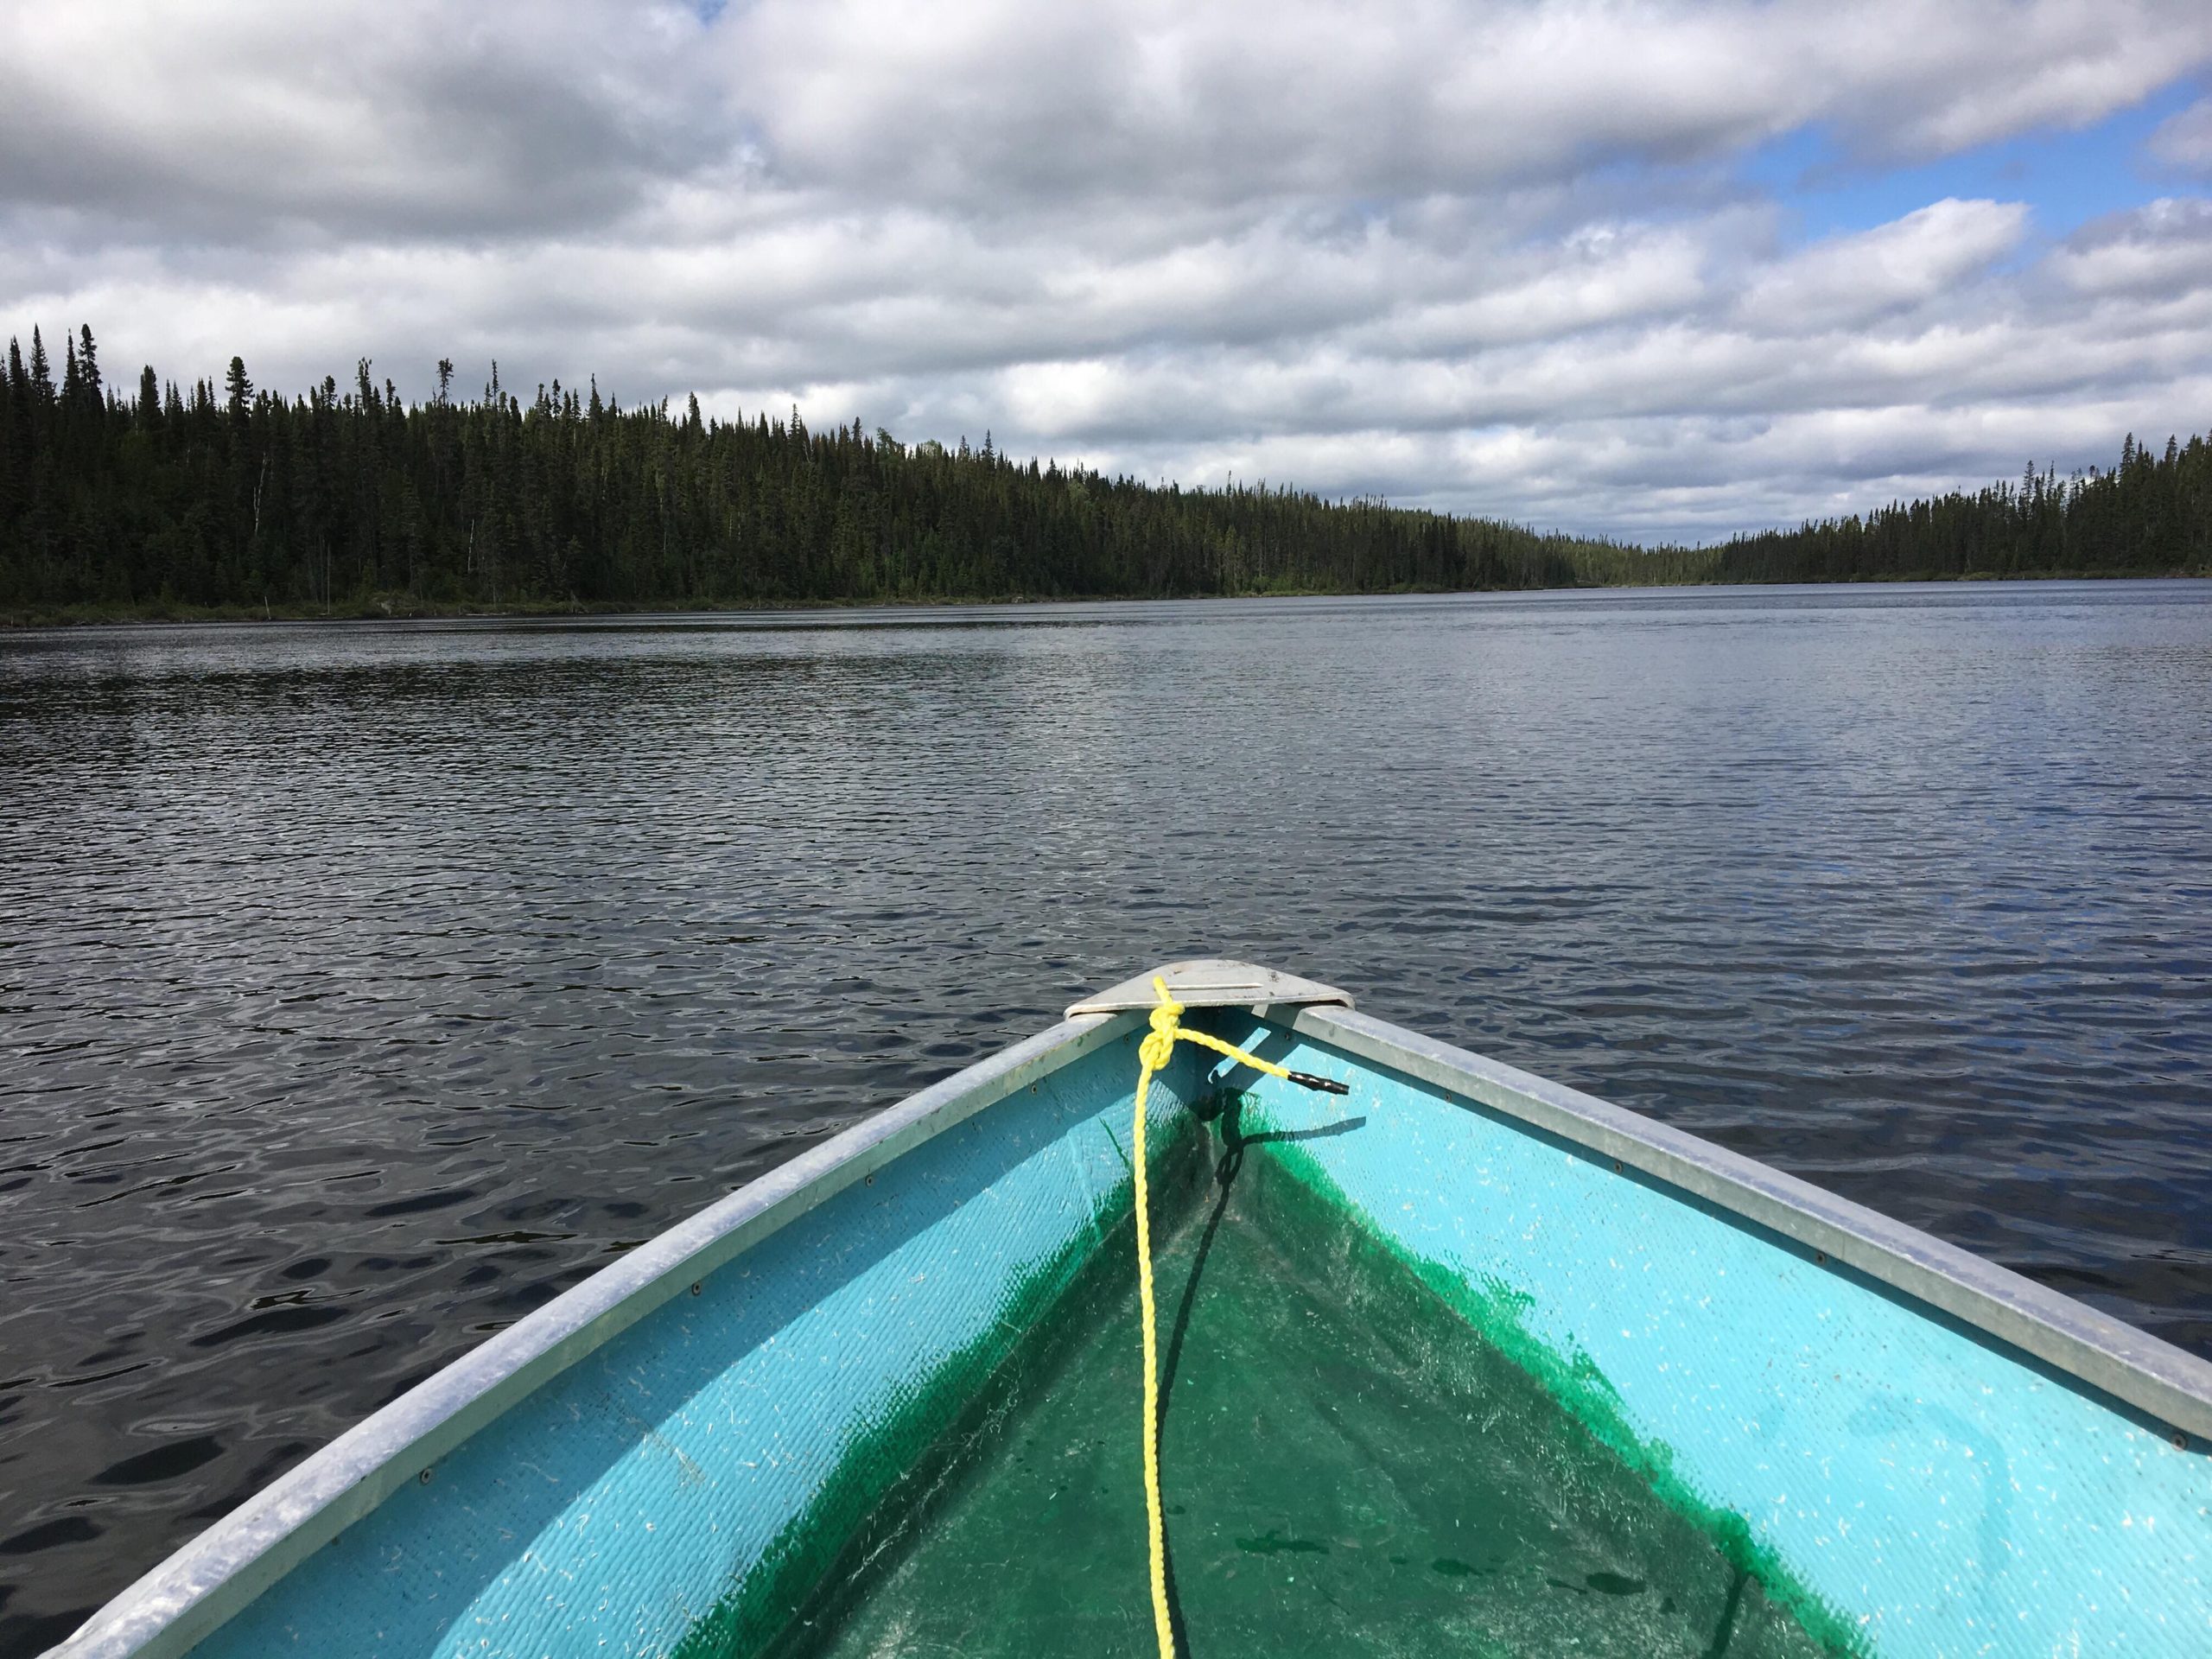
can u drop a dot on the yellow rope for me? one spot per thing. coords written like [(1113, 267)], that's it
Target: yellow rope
[(1153, 1054)]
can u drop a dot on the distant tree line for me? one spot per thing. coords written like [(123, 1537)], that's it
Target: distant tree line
[(231, 496), (2151, 515)]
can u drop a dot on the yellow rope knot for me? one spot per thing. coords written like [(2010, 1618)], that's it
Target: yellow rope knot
[(1158, 1048)]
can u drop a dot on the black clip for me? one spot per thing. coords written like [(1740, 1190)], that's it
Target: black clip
[(1320, 1085)]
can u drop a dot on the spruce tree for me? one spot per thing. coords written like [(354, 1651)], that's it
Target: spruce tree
[(42, 374)]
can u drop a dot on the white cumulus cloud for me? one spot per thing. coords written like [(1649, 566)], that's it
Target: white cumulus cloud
[(1497, 257)]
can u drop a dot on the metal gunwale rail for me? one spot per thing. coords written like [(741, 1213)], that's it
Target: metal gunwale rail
[(2111, 1356), (200, 1586), (218, 1573)]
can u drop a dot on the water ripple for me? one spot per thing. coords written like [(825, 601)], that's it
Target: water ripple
[(366, 985)]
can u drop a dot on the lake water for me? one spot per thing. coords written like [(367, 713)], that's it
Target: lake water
[(364, 986)]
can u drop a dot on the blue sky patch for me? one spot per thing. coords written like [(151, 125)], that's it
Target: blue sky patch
[(2067, 178)]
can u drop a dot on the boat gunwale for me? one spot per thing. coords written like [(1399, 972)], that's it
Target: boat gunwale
[(194, 1590), (2106, 1354), (216, 1574)]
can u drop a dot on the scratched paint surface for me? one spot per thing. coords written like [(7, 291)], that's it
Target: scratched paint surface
[(1934, 1492), (732, 1440), (1348, 1469)]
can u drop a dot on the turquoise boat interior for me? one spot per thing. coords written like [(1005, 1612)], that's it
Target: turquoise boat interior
[(1457, 1362)]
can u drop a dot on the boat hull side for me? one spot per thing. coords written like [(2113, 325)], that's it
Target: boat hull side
[(1909, 1484), (675, 1487)]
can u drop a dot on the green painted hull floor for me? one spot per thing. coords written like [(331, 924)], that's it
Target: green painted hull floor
[(1348, 1469)]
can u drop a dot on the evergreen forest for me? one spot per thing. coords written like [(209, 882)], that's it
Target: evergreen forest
[(215, 499)]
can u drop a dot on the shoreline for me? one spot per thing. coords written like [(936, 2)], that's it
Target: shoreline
[(398, 608)]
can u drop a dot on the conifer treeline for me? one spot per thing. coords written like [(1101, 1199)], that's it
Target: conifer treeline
[(2151, 515), (351, 498)]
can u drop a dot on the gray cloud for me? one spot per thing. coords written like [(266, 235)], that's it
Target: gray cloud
[(2185, 140), (979, 102), (1491, 259), (221, 123)]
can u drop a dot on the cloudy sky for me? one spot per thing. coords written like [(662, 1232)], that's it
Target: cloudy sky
[(1650, 268)]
